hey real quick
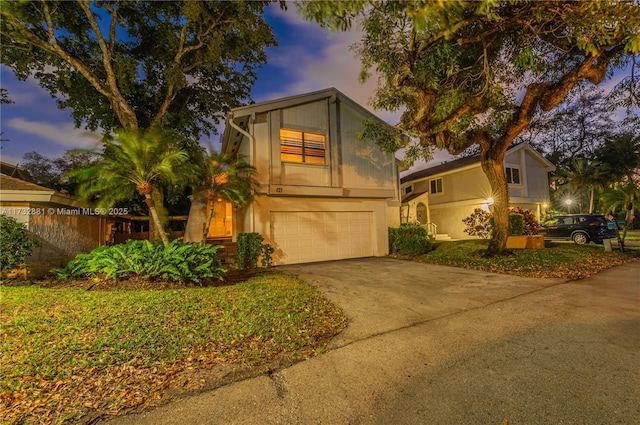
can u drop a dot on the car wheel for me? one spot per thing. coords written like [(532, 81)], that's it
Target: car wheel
[(580, 238)]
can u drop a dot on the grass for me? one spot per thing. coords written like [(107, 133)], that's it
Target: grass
[(69, 353), (568, 260)]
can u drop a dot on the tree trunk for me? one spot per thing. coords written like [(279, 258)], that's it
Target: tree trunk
[(156, 219), (592, 194), (493, 167), (207, 224), (155, 231)]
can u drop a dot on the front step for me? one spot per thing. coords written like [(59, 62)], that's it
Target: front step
[(443, 237)]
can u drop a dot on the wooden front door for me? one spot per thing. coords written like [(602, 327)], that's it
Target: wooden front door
[(222, 222)]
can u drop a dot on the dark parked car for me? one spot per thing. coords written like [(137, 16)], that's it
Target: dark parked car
[(579, 228)]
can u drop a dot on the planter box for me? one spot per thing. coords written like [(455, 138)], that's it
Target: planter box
[(525, 242)]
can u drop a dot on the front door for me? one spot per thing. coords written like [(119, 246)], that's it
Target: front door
[(221, 223)]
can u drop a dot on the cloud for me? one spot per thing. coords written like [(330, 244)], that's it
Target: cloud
[(24, 92), (64, 134), (333, 65)]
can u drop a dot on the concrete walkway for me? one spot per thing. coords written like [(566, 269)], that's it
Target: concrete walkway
[(437, 345)]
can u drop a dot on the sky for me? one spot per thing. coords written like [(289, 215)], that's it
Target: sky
[(307, 58)]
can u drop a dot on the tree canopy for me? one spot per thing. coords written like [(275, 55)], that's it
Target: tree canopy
[(475, 73), (139, 64)]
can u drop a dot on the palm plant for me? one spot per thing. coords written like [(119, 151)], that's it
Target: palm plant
[(137, 162), (622, 196), (228, 177), (580, 180)]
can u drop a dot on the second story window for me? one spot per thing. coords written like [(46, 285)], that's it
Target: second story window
[(513, 175), (436, 186), (408, 190), (300, 146)]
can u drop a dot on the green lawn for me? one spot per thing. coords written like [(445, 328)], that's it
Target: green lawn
[(70, 352), (557, 260)]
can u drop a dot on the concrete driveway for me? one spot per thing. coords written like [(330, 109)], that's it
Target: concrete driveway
[(437, 345)]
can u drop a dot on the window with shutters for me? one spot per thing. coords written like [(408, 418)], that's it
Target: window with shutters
[(302, 147)]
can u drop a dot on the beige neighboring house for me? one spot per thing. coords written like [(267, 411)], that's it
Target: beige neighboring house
[(441, 197), (323, 195), (64, 228)]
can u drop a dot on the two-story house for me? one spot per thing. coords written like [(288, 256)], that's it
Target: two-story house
[(441, 197), (323, 195)]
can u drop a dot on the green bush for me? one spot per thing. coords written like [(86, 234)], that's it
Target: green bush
[(393, 239), (267, 252), (249, 246), (530, 223), (409, 239), (16, 243), (516, 224), (178, 262), (250, 249)]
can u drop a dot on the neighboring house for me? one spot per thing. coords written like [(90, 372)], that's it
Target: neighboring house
[(441, 197), (323, 195), (64, 228)]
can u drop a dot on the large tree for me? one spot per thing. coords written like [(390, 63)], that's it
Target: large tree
[(475, 73), (139, 64)]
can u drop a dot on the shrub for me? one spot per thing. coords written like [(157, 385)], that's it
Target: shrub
[(267, 251), (393, 239), (251, 249), (478, 224), (531, 225), (178, 262), (516, 224), (409, 239), (16, 243)]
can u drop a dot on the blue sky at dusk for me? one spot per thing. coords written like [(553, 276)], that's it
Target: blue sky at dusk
[(307, 58)]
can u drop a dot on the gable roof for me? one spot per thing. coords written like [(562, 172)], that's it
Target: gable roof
[(241, 116), (13, 184), (470, 161), (16, 172), (17, 190), (442, 168)]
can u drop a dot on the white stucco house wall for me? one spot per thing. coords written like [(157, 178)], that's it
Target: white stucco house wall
[(441, 197), (323, 194)]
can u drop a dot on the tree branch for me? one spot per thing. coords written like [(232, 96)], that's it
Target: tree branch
[(549, 95), (122, 109), (182, 50)]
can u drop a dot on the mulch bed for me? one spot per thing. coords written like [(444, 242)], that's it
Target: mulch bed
[(232, 277)]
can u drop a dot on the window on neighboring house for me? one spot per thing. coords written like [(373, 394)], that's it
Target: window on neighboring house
[(513, 175), (408, 189), (300, 146), (436, 186)]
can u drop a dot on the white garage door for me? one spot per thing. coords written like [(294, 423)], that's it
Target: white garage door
[(319, 236)]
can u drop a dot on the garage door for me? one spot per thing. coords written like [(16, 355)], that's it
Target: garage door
[(319, 236)]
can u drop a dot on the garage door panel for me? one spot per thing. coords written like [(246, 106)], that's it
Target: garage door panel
[(319, 236)]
